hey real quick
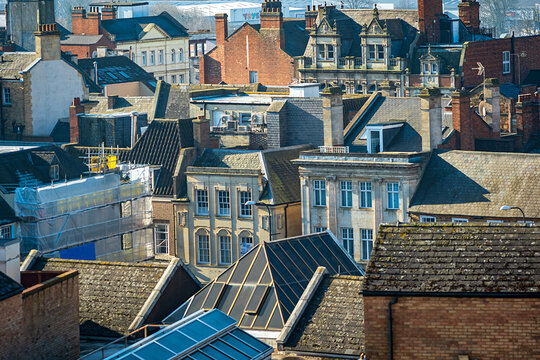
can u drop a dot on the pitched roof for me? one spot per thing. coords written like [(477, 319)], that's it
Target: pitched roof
[(116, 70), (172, 101), (333, 321), (111, 294), (449, 57), (99, 105), (8, 287), (455, 259), (230, 159), (130, 29), (282, 174), (262, 288), (364, 16), (210, 335), (474, 183), (31, 166), (160, 145), (77, 39), (12, 63), (7, 214)]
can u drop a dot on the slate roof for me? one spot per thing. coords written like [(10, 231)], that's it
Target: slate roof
[(116, 70), (110, 294), (160, 145), (8, 287), (230, 159), (172, 102), (474, 183), (76, 39), (333, 321), (532, 78), (130, 29), (7, 215), (455, 259), (98, 105), (13, 63), (31, 167), (449, 57), (262, 288)]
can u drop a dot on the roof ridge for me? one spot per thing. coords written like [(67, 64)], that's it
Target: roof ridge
[(105, 263)]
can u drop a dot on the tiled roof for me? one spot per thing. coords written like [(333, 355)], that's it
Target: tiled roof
[(455, 259), (449, 57), (296, 37), (283, 174), (31, 166), (474, 183), (262, 288), (172, 101), (333, 321), (160, 145), (111, 295), (76, 39), (230, 159), (7, 215), (364, 16), (130, 29), (116, 70), (99, 105), (8, 287), (12, 63)]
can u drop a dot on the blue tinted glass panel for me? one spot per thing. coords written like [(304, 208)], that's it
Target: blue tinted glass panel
[(154, 351), (214, 354), (199, 356), (241, 346), (235, 354), (177, 342), (217, 320), (257, 299), (250, 340), (198, 331)]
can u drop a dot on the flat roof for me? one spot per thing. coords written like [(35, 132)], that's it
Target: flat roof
[(239, 99), (119, 3)]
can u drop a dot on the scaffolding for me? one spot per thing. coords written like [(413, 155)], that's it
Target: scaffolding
[(110, 216)]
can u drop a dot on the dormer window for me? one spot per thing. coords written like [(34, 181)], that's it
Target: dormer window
[(426, 68), (434, 68), (330, 51), (325, 52), (379, 136), (376, 52)]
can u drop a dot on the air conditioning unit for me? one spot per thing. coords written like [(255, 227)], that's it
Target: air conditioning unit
[(257, 119), (243, 128), (232, 124)]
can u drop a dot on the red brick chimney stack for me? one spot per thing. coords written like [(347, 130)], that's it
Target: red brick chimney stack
[(311, 17), (201, 133), (469, 14), (462, 119), (272, 19), (78, 17), (108, 12), (429, 13), (75, 110), (528, 116), (222, 28)]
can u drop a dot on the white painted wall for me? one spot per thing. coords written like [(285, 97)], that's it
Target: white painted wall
[(54, 85)]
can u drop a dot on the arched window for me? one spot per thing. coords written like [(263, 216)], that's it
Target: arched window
[(246, 242), (359, 89), (202, 236), (180, 55), (173, 56), (372, 88), (225, 247)]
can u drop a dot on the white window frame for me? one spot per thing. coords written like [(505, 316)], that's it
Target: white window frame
[(318, 229), (223, 203), (321, 52), (54, 172), (143, 58), (392, 195), (506, 63), (380, 49), (244, 211), (203, 248), (244, 241), (427, 219), (366, 194), (173, 79), (346, 193), (460, 220), (372, 52), (253, 77), (495, 221), (330, 52), (180, 55), (153, 57), (347, 238), (5, 232), (173, 56), (225, 250), (160, 57), (319, 193), (201, 198), (6, 96), (366, 243), (161, 243)]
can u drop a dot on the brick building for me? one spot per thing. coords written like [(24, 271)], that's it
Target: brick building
[(453, 292), (255, 53), (40, 316)]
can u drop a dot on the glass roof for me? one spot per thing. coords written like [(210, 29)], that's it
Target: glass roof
[(206, 336)]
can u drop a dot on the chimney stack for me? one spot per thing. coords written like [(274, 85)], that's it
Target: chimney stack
[(108, 12), (528, 116), (429, 14), (333, 116), (48, 42), (78, 17), (462, 120), (469, 14), (431, 118), (311, 17), (75, 110), (201, 133), (222, 29), (388, 88), (493, 104), (272, 20), (93, 21)]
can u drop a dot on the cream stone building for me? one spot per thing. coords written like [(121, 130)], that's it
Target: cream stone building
[(159, 44), (235, 200), (367, 173)]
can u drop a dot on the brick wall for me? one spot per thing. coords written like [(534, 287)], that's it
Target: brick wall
[(163, 212), (428, 19), (86, 51), (51, 318), (11, 330), (443, 327), (489, 53)]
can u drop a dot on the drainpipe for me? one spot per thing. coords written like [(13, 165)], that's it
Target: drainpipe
[(285, 215), (390, 339)]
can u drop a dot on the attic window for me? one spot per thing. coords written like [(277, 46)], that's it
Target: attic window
[(112, 75), (257, 299), (379, 136), (123, 74), (214, 295)]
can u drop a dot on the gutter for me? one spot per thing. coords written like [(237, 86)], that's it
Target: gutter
[(390, 338), (455, 294)]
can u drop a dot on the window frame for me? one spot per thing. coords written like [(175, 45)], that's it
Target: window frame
[(242, 238), (506, 62), (199, 200), (330, 52), (364, 194), (54, 172), (371, 52), (221, 202), (459, 220), (160, 57), (366, 243), (244, 211), (321, 52), (319, 229), (180, 55), (392, 195), (347, 200), (152, 57), (199, 248), (380, 52), (222, 249), (173, 56), (253, 77), (427, 219), (144, 59), (161, 241), (6, 232), (347, 239), (319, 193), (6, 96)]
